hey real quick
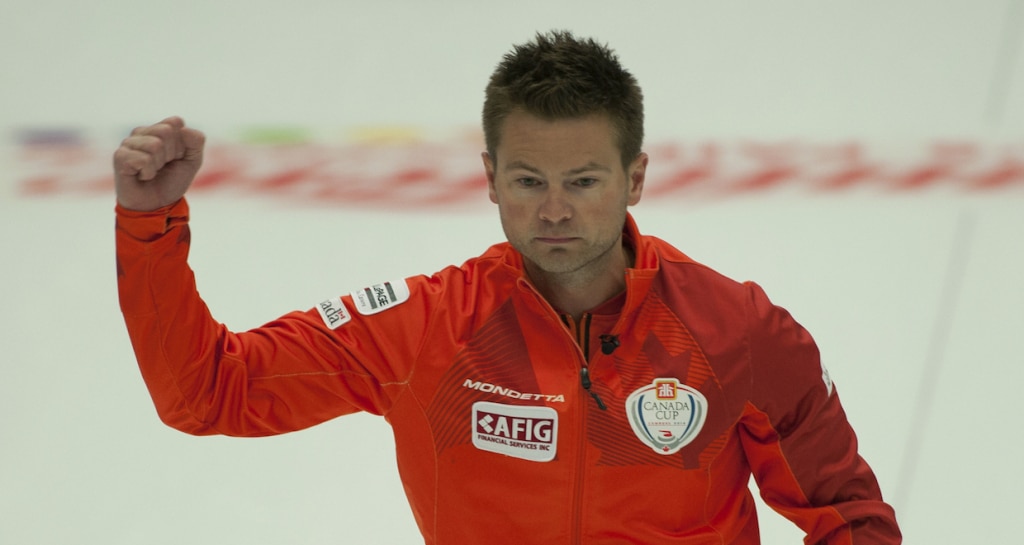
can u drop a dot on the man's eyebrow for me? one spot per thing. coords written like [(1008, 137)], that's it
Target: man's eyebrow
[(591, 166), (520, 165)]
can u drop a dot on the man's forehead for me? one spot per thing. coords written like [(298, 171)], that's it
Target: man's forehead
[(589, 166), (570, 144)]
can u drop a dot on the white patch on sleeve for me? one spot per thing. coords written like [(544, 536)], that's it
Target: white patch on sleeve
[(826, 378), (333, 312), (380, 297)]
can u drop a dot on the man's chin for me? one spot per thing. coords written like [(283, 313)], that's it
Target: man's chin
[(555, 264)]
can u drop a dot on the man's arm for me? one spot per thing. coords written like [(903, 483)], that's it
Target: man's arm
[(289, 374), (800, 445)]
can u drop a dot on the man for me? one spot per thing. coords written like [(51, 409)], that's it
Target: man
[(582, 383)]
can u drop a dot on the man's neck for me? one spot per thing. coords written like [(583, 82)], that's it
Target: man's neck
[(576, 292)]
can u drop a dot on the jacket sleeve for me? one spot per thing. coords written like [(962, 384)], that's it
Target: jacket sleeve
[(286, 375), (800, 445)]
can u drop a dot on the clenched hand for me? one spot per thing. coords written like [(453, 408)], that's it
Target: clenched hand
[(155, 165)]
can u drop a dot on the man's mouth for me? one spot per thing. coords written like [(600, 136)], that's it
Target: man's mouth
[(555, 240)]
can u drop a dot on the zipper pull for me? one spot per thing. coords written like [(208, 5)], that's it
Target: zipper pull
[(585, 381)]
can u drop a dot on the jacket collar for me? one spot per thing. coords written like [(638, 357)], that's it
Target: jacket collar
[(639, 277), (646, 263), (645, 255)]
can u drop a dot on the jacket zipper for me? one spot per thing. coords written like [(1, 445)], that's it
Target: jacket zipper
[(584, 331), (583, 342), (583, 350), (581, 466), (581, 470)]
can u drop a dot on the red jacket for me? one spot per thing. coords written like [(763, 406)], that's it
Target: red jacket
[(698, 383)]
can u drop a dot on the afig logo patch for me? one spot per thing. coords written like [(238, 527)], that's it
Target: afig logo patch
[(666, 415), (526, 432)]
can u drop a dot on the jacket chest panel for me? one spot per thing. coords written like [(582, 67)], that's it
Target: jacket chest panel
[(499, 367), (536, 363), (666, 406)]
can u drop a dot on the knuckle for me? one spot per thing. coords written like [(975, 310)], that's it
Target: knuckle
[(147, 144)]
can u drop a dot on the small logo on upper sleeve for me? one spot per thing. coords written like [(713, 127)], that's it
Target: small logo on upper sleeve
[(380, 297), (333, 312)]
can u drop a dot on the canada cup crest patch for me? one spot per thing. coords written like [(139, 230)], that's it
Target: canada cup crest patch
[(666, 415)]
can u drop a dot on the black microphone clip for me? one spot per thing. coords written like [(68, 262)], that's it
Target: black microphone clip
[(609, 343)]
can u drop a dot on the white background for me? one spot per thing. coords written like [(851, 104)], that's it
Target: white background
[(915, 298)]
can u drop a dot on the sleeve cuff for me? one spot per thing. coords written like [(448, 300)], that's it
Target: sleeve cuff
[(150, 225)]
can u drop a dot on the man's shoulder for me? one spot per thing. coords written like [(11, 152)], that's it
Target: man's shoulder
[(680, 267), (496, 265), (686, 281)]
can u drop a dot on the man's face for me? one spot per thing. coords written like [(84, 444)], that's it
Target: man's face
[(562, 192)]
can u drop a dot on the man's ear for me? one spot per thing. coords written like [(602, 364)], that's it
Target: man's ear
[(489, 170), (637, 173)]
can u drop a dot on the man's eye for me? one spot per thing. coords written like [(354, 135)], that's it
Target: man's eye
[(528, 182), (586, 182)]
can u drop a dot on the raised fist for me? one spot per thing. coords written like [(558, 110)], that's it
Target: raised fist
[(155, 165)]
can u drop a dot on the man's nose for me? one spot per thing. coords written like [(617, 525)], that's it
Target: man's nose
[(555, 206)]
